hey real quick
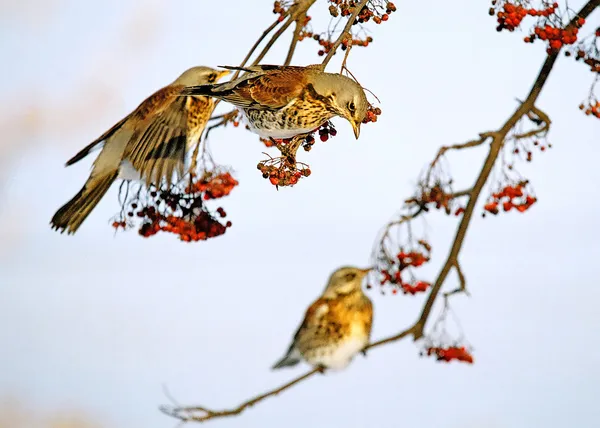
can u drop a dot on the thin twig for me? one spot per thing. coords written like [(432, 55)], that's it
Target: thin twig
[(348, 49), (390, 339), (462, 283), (345, 33), (258, 42), (188, 414), (295, 37), (297, 10)]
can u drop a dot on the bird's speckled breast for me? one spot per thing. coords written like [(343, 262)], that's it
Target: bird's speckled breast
[(298, 117)]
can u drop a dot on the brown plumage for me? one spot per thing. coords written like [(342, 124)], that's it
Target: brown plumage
[(336, 326), (284, 101), (150, 143)]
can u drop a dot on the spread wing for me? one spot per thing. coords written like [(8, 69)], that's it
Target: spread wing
[(159, 144), (88, 149)]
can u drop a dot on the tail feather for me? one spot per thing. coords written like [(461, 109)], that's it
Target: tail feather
[(290, 359), (252, 68), (70, 216), (197, 90)]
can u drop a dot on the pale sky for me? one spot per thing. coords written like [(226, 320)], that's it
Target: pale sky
[(99, 323)]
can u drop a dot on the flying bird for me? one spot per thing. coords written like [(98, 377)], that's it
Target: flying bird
[(149, 144), (336, 326), (285, 101)]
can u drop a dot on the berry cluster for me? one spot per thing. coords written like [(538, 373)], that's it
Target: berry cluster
[(178, 209), (213, 185), (280, 8), (197, 227), (372, 113), (511, 15), (435, 196), (267, 142), (549, 27), (511, 196), (556, 37), (591, 56), (325, 43), (447, 354), (356, 42), (391, 269), (281, 172), (435, 191), (378, 10), (326, 130), (592, 108), (524, 149)]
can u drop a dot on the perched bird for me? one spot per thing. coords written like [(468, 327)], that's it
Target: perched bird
[(150, 143), (285, 101), (336, 326)]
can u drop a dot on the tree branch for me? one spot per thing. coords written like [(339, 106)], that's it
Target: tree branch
[(295, 12), (345, 33), (488, 165), (186, 414), (202, 414)]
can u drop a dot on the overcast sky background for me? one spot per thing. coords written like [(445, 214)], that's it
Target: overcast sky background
[(97, 324)]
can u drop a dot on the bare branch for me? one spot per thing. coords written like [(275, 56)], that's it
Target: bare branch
[(295, 12), (295, 37), (483, 137), (462, 283), (394, 338), (255, 46), (345, 33), (202, 414)]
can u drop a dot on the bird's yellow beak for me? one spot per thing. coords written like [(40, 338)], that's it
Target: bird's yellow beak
[(367, 270), (355, 128), (223, 73)]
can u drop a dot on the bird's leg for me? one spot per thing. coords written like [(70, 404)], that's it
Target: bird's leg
[(364, 351), (321, 369)]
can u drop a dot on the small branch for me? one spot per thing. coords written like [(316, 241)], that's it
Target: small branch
[(462, 283), (225, 119), (202, 414), (538, 117), (345, 33), (272, 41), (295, 37), (390, 339), (297, 10), (255, 46), (453, 195), (483, 137), (346, 59)]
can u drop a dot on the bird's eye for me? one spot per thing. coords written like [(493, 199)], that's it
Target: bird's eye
[(350, 276), (351, 107), (212, 77)]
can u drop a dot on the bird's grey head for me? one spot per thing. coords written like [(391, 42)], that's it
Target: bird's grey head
[(200, 76), (348, 98), (345, 280)]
